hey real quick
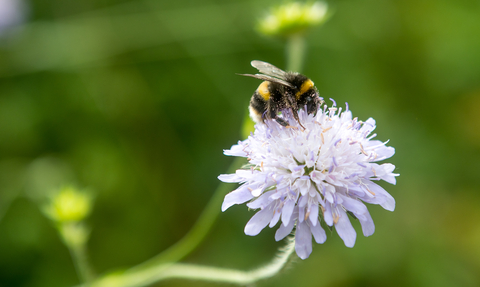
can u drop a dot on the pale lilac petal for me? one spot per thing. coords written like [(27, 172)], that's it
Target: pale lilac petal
[(287, 211), (329, 192), (388, 167), (261, 201), (257, 191), (318, 233), (237, 196), (303, 201), (230, 178), (304, 185), (355, 206), (275, 218), (258, 222), (369, 124), (384, 198), (284, 230), (248, 174), (368, 227), (384, 153), (313, 214), (384, 172), (373, 143), (345, 229), (301, 213), (356, 191), (236, 150), (390, 178), (303, 240), (327, 215)]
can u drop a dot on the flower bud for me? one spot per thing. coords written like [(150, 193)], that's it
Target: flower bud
[(69, 205), (293, 18)]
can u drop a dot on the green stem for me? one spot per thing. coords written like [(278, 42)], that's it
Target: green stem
[(75, 236), (214, 274), (295, 50), (82, 267), (198, 272)]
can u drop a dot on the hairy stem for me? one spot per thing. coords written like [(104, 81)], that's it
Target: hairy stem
[(213, 274), (197, 272)]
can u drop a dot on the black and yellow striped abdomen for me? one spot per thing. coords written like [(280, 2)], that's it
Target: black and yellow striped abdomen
[(258, 102)]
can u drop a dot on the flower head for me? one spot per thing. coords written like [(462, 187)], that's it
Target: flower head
[(302, 177)]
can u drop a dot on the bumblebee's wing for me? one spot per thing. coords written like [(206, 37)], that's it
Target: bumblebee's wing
[(270, 79), (268, 69)]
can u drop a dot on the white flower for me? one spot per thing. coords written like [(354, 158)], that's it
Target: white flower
[(303, 176)]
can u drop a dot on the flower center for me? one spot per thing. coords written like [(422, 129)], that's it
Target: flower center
[(308, 170)]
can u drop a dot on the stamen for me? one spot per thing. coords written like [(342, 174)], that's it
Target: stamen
[(307, 214), (363, 151), (336, 217), (371, 192)]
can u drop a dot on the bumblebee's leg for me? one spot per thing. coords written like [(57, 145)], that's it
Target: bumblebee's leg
[(293, 106), (271, 113), (295, 115), (282, 122), (313, 102)]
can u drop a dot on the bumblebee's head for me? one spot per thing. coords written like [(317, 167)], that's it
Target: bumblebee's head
[(305, 93)]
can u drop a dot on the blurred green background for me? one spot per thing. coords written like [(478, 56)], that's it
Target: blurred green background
[(136, 100)]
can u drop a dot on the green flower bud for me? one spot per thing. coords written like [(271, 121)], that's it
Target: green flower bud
[(69, 205), (293, 18)]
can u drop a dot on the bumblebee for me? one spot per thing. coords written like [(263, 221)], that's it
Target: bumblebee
[(281, 91)]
